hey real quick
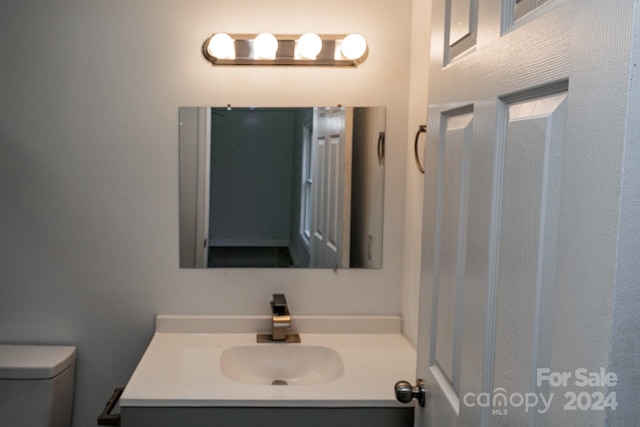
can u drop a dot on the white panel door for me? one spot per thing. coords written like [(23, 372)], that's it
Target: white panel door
[(331, 187), (523, 164)]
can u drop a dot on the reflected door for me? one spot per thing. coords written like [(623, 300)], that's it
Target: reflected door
[(331, 187)]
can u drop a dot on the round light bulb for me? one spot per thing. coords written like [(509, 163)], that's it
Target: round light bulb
[(353, 46), (265, 46), (309, 45), (221, 46)]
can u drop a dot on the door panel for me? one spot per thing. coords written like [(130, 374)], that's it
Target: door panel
[(527, 252), (523, 7), (502, 258), (461, 27), (334, 178), (456, 152), (318, 220)]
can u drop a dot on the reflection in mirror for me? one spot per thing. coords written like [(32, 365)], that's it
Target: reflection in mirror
[(281, 187)]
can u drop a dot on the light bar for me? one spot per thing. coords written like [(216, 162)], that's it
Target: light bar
[(310, 49)]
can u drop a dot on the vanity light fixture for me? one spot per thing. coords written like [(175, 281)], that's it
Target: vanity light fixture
[(269, 49)]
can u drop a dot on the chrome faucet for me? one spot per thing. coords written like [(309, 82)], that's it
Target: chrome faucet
[(280, 317), (280, 322)]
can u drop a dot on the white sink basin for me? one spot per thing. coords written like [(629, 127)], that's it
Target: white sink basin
[(343, 361), (281, 364)]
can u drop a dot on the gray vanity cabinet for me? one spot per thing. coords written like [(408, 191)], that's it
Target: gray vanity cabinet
[(267, 417)]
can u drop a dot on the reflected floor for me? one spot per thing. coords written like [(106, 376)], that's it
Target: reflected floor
[(242, 256)]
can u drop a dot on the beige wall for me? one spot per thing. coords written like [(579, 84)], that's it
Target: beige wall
[(88, 168), (414, 187)]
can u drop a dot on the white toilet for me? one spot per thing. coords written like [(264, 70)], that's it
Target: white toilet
[(36, 385)]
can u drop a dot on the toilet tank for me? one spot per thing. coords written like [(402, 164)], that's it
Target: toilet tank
[(36, 385)]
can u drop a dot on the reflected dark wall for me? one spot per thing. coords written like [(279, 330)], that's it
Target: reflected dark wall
[(252, 170)]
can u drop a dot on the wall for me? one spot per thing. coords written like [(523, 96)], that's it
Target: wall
[(417, 115), (88, 167), (251, 177), (367, 185)]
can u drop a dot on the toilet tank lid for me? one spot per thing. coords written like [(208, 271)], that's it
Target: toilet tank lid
[(34, 361)]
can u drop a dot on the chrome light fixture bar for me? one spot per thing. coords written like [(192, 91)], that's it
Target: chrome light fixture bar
[(310, 49)]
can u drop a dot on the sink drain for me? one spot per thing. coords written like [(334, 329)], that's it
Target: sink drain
[(279, 382)]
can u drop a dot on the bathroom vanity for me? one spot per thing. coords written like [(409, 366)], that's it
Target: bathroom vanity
[(210, 370)]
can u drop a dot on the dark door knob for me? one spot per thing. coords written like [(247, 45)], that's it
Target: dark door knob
[(405, 392)]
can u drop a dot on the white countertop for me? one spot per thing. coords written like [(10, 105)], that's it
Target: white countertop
[(182, 369)]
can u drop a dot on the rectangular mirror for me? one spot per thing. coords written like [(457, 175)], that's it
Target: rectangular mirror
[(281, 187)]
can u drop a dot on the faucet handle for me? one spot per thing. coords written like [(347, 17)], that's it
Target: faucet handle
[(279, 304)]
